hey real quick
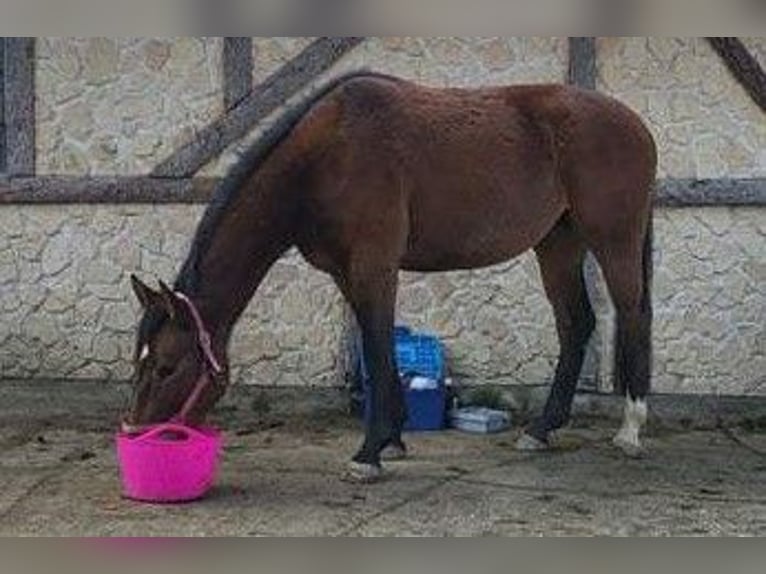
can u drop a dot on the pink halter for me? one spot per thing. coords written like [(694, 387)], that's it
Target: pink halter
[(210, 361)]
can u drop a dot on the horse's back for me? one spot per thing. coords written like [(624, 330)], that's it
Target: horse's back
[(453, 133), (472, 170), (476, 176)]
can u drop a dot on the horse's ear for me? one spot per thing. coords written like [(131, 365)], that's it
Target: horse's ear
[(170, 302), (175, 308), (145, 294)]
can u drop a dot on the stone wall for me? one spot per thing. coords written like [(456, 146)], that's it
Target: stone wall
[(68, 309), (710, 300), (709, 331), (704, 123), (121, 106), (710, 309)]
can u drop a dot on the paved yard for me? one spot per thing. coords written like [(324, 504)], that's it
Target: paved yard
[(280, 476)]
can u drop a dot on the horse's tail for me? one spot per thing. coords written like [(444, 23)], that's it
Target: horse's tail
[(646, 294), (647, 266)]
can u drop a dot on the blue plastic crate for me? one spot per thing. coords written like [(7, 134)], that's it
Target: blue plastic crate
[(426, 409), (420, 355), (417, 354)]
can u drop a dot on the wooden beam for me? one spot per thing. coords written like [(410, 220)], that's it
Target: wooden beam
[(298, 73), (582, 62), (19, 103), (743, 66), (111, 190), (237, 70), (148, 189), (699, 192)]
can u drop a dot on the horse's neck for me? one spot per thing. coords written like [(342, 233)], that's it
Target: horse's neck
[(247, 240)]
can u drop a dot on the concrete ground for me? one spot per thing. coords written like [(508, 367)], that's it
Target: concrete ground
[(281, 473)]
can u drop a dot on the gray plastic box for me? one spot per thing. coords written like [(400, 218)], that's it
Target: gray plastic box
[(479, 420)]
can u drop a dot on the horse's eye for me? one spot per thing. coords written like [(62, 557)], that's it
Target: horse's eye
[(164, 372)]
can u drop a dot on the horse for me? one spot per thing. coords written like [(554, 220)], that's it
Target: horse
[(373, 174)]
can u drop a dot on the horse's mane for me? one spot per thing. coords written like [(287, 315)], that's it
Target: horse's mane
[(228, 189)]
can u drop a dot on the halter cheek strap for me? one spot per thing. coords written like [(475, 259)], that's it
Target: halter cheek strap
[(203, 336), (210, 365)]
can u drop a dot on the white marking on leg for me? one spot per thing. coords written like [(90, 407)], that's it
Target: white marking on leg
[(362, 473), (634, 418), (393, 452), (144, 353), (528, 443)]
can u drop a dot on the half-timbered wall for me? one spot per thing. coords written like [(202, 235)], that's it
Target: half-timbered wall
[(128, 136)]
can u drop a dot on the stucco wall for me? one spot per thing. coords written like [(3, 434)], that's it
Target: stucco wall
[(121, 106)]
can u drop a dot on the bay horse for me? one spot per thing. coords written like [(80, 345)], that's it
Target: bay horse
[(374, 174)]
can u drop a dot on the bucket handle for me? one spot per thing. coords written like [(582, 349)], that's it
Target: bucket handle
[(188, 432)]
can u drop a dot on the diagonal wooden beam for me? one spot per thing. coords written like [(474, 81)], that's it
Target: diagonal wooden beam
[(298, 73), (743, 66)]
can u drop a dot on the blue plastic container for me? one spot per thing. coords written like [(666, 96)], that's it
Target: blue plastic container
[(417, 354), (426, 409)]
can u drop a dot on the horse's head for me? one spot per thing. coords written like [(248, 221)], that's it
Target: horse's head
[(169, 361)]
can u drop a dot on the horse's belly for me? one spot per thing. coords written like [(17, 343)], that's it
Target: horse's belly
[(472, 240), (477, 206), (451, 260)]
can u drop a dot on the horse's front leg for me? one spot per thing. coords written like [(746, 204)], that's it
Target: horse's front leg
[(372, 294)]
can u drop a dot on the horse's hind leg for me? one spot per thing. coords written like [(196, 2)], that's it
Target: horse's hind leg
[(560, 256), (627, 270)]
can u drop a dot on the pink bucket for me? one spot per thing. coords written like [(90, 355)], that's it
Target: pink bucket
[(169, 462)]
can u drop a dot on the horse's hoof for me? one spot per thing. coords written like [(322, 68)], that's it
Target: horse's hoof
[(362, 473), (393, 452), (528, 443), (630, 448)]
